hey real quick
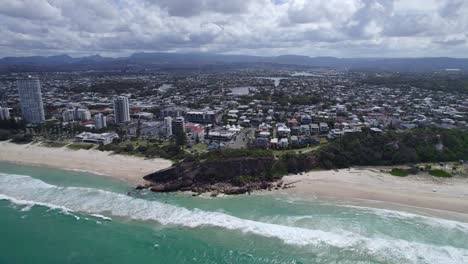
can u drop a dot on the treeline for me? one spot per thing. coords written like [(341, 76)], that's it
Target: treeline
[(366, 148), (14, 130), (446, 84), (236, 153), (392, 148)]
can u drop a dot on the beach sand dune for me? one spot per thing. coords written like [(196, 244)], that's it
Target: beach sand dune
[(126, 168)]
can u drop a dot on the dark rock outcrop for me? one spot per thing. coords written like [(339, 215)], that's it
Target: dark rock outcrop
[(226, 176)]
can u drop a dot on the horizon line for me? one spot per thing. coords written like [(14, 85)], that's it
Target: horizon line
[(224, 54)]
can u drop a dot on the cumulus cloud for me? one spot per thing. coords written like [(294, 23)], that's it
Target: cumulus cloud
[(345, 28), (189, 8), (29, 9)]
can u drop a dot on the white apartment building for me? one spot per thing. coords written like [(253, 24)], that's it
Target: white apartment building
[(121, 110), (30, 95), (100, 121)]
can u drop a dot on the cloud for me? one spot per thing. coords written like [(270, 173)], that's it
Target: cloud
[(188, 8), (345, 28), (29, 9), (316, 11)]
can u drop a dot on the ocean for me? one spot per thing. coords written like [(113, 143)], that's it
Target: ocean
[(56, 216)]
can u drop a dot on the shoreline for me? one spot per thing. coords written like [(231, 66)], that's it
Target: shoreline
[(106, 164), (363, 186), (446, 197)]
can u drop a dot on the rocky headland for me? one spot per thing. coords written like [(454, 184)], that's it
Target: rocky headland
[(232, 175)]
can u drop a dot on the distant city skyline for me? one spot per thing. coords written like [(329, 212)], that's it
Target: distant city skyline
[(340, 28)]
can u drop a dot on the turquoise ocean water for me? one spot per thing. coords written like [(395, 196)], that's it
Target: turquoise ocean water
[(56, 216)]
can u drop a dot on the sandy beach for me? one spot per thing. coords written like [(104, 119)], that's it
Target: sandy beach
[(125, 168), (371, 187), (365, 186)]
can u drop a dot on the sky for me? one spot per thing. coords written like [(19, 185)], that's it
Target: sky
[(340, 28)]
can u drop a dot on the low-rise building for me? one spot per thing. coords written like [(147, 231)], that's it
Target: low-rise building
[(283, 130), (195, 132), (323, 128), (104, 138), (201, 117), (283, 143), (221, 135)]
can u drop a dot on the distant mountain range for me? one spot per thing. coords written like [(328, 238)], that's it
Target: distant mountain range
[(161, 60)]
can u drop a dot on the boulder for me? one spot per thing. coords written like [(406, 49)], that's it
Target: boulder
[(236, 190)]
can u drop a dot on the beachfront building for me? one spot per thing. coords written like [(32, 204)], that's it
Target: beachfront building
[(104, 138), (4, 113), (100, 121), (121, 110), (168, 126), (30, 95)]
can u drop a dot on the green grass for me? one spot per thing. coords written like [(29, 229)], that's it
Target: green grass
[(440, 173), (53, 144), (199, 148), (77, 146), (398, 172)]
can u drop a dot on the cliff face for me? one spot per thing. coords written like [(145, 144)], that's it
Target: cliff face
[(225, 175)]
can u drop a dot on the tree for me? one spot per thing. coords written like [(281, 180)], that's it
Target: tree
[(180, 137), (5, 134), (129, 148), (138, 131)]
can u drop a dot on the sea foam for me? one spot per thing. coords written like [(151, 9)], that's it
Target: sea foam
[(25, 190)]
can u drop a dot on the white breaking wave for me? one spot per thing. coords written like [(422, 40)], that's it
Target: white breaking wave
[(87, 171), (384, 213), (102, 217), (435, 222), (29, 204), (28, 191)]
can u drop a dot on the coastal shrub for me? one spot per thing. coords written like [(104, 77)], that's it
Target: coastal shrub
[(440, 173), (398, 172), (244, 179), (77, 146), (54, 144), (280, 168), (5, 134), (22, 138), (394, 148), (142, 149), (129, 148), (171, 151), (236, 153), (110, 147), (413, 170), (11, 124)]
